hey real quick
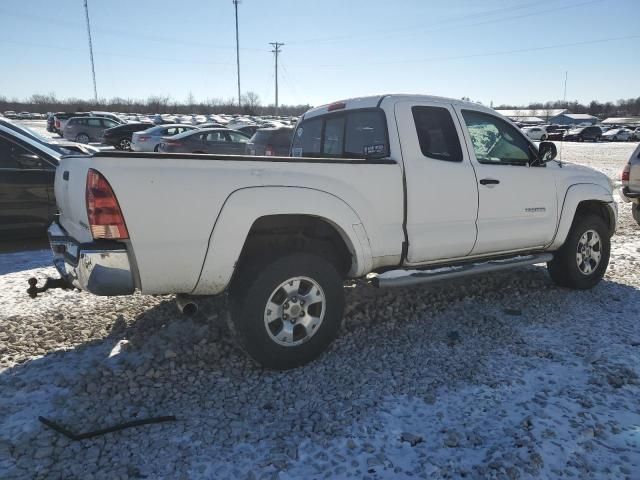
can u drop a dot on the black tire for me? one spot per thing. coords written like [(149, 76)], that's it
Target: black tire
[(596, 140), (82, 138), (156, 148), (580, 139), (254, 287), (124, 144), (635, 211), (564, 269), (543, 138)]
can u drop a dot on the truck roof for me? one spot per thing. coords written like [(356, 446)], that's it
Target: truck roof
[(375, 101)]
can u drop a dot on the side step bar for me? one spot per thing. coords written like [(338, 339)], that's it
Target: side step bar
[(448, 273)]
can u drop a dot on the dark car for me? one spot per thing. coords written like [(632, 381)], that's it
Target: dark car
[(271, 141), (581, 134), (221, 141), (27, 171), (555, 132), (51, 122), (120, 136)]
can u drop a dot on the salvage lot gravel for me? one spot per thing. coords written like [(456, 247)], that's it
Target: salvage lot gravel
[(501, 376)]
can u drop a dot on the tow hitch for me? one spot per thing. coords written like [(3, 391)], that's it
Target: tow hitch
[(33, 291)]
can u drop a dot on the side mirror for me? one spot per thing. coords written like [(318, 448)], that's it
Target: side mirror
[(547, 151)]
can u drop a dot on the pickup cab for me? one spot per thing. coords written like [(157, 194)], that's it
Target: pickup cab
[(377, 184), (631, 184)]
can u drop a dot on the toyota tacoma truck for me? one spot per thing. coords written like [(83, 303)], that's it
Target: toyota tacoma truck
[(435, 187)]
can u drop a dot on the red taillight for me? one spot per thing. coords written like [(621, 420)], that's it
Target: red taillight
[(270, 151), (105, 216), (625, 175), (57, 123), (142, 138), (336, 106)]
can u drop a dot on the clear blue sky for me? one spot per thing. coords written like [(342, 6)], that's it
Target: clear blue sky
[(333, 48)]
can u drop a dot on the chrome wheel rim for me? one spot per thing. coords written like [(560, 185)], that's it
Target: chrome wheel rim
[(589, 252), (294, 312), (83, 139), (125, 144)]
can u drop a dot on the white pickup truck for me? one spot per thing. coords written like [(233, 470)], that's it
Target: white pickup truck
[(391, 182)]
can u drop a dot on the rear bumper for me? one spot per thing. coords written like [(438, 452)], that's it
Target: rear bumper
[(98, 268), (629, 196)]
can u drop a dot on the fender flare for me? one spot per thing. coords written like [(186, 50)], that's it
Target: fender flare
[(244, 206), (574, 195)]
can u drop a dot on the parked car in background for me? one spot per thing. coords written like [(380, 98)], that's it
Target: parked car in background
[(27, 172), (120, 135), (535, 133), (555, 132), (630, 192), (271, 142), (51, 122), (149, 140), (11, 114), (60, 120), (593, 134), (62, 147), (636, 134), (617, 135), (87, 129), (221, 141), (248, 129)]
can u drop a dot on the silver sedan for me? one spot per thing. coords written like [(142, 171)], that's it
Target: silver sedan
[(149, 140)]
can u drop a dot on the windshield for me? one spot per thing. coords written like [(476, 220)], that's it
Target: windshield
[(27, 132)]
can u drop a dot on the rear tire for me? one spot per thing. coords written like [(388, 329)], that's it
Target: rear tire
[(635, 211), (583, 259), (124, 144), (82, 138), (580, 139), (285, 312)]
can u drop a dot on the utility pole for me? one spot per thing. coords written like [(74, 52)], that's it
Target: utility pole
[(276, 50), (235, 3), (565, 89), (93, 69)]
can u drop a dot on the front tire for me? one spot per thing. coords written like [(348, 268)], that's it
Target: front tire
[(286, 312), (583, 259)]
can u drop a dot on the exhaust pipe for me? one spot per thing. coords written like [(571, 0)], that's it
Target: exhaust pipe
[(187, 305)]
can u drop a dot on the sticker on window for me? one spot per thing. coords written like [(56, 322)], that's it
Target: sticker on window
[(297, 152), (373, 149)]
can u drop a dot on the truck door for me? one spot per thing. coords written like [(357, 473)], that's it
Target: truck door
[(442, 192), (518, 204)]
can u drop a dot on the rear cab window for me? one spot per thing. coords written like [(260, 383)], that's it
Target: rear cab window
[(437, 133), (346, 134)]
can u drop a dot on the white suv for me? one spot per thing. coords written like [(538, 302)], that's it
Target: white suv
[(535, 133), (631, 183)]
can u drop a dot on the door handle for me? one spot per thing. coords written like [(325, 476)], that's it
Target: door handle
[(489, 181)]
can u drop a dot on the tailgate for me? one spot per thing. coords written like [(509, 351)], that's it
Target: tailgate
[(70, 184)]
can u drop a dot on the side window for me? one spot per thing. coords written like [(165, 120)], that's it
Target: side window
[(307, 139), (94, 122), (437, 133), (15, 156), (171, 131), (333, 136), (495, 141), (237, 138), (108, 123), (216, 137), (7, 159), (366, 134)]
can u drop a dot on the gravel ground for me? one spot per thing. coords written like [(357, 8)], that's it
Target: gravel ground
[(498, 376)]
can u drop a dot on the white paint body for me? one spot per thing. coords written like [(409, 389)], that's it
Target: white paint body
[(188, 217)]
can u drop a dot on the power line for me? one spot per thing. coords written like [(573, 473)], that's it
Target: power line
[(276, 51), (473, 55), (235, 4), (93, 70)]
